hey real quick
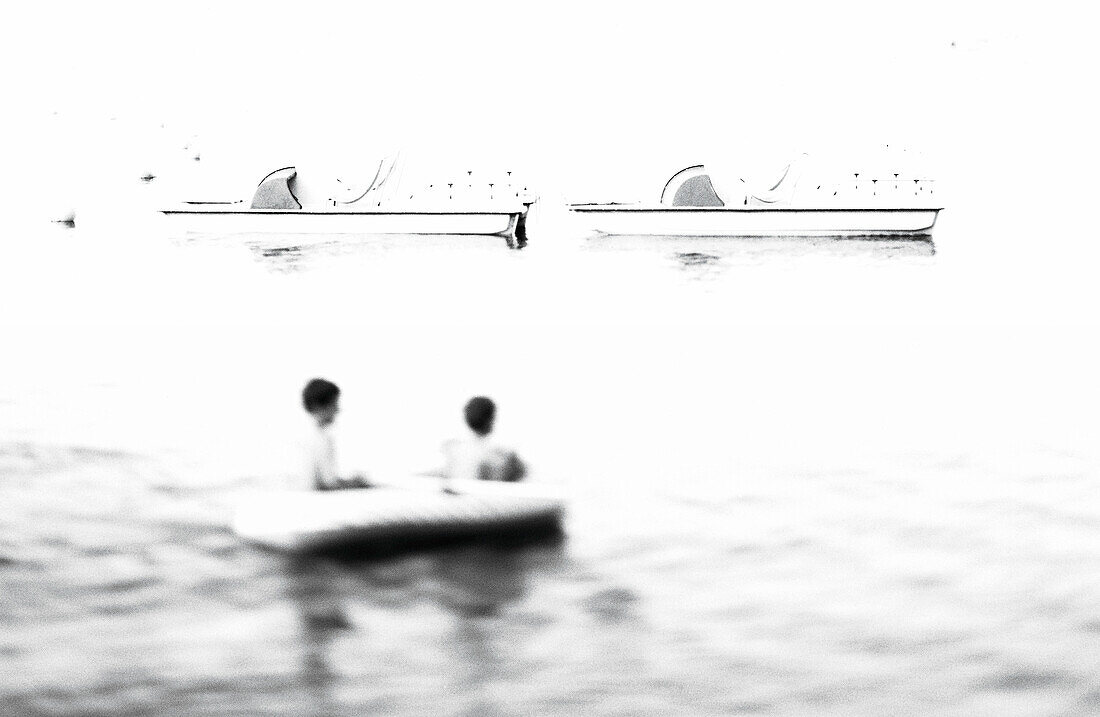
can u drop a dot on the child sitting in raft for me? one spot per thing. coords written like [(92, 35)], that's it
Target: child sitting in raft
[(321, 400), (476, 457)]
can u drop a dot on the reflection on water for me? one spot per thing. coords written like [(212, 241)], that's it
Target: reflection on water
[(290, 253), (279, 258), (703, 257), (472, 583), (697, 257), (314, 588)]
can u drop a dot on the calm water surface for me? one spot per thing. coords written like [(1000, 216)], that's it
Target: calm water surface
[(806, 477)]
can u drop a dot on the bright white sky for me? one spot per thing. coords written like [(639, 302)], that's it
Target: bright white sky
[(569, 93)]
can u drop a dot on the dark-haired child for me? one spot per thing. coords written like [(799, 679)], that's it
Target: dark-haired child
[(321, 399), (477, 456)]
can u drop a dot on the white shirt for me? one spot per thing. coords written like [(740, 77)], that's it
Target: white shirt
[(321, 458), (478, 458)]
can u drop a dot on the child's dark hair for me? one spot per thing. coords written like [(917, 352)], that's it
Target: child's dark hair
[(319, 393), (480, 412)]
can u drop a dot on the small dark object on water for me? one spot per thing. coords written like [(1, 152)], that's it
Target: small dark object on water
[(148, 177), (68, 221), (196, 157)]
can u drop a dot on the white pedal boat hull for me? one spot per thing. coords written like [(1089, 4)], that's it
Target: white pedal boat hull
[(638, 220), (211, 219)]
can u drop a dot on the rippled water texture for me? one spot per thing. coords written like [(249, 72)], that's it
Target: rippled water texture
[(767, 517)]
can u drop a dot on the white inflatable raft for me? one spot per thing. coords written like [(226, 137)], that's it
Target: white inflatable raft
[(412, 512)]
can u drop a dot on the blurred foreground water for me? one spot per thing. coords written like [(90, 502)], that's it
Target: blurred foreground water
[(807, 476)]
